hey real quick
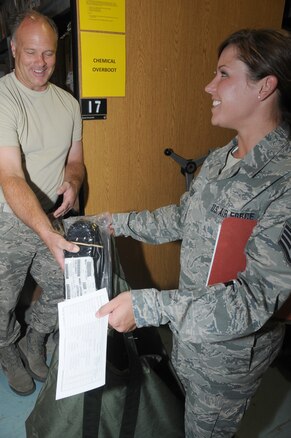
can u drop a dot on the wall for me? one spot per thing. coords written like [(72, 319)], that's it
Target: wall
[(171, 56)]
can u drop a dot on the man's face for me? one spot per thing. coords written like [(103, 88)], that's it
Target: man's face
[(34, 49)]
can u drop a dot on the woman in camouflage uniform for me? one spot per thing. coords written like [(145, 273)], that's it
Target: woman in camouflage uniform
[(225, 336)]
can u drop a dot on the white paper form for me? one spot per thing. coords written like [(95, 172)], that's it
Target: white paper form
[(82, 344)]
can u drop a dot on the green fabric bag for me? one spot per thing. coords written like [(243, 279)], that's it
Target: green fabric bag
[(142, 397)]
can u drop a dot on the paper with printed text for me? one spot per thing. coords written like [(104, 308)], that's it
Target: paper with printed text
[(82, 344)]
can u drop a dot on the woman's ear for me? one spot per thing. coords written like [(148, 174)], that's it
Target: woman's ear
[(268, 86)]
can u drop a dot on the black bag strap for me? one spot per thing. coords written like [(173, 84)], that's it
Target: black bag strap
[(131, 405), (93, 398), (91, 412)]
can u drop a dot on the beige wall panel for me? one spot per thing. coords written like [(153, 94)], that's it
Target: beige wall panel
[(171, 56)]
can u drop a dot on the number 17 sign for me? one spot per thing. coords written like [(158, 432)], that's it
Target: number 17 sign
[(93, 108)]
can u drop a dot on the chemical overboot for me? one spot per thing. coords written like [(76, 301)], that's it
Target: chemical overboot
[(32, 352), (18, 378)]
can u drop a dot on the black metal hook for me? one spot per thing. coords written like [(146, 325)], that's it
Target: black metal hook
[(188, 167)]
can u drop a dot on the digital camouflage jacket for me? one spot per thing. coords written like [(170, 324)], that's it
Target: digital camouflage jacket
[(256, 187)]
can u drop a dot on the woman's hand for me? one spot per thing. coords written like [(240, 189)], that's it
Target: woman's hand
[(120, 312)]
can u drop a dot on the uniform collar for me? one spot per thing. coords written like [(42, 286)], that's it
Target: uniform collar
[(260, 155)]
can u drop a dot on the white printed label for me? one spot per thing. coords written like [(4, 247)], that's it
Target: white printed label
[(79, 276)]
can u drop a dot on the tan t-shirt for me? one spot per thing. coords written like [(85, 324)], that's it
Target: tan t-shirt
[(43, 124)]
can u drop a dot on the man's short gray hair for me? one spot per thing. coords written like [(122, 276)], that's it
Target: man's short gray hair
[(33, 15)]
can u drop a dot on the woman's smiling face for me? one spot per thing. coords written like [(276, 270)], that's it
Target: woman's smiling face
[(234, 94)]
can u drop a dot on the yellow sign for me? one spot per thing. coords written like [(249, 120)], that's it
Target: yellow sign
[(102, 64), (105, 15)]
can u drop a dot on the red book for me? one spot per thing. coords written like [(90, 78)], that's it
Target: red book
[(229, 257)]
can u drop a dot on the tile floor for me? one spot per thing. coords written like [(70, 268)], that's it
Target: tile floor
[(268, 417), (14, 409)]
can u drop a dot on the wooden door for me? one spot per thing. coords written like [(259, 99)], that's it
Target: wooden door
[(171, 55)]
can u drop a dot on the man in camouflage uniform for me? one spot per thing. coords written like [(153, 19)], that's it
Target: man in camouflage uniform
[(40, 159)]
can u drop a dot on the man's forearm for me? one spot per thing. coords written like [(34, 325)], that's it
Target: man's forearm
[(27, 208), (25, 205), (74, 174)]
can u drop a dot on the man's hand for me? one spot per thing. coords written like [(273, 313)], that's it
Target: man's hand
[(57, 244), (120, 312), (69, 192), (73, 178)]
